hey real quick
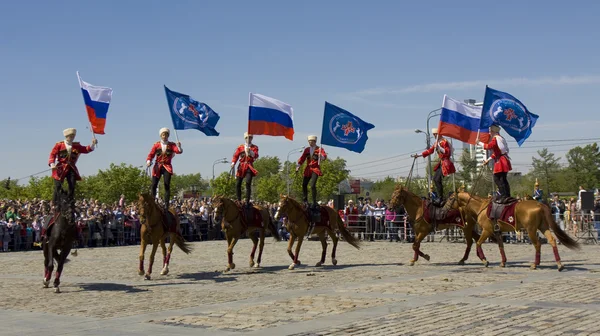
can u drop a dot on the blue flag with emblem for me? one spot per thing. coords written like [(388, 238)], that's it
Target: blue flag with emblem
[(188, 113), (343, 129), (506, 111)]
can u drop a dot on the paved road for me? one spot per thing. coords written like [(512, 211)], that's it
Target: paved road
[(371, 291)]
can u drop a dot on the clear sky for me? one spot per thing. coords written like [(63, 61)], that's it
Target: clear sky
[(389, 62)]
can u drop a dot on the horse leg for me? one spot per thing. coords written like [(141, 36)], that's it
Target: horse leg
[(536, 243), (230, 253), (416, 247), (254, 246), (469, 240), (501, 248), (485, 234), (323, 239), (62, 257), (335, 240), (291, 245), (298, 246), (48, 263), (166, 255), (552, 243), (142, 253), (152, 254), (261, 245)]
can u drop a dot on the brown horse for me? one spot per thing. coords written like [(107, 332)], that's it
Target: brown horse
[(298, 225), (414, 208), (154, 230), (229, 215), (529, 215)]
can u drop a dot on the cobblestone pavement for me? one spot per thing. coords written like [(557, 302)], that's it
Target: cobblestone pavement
[(371, 291)]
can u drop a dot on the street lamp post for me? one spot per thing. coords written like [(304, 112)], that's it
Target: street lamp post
[(223, 160), (287, 177)]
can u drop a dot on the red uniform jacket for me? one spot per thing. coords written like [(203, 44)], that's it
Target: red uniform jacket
[(501, 161), (447, 164), (245, 161), (163, 159), (351, 215), (66, 160), (312, 162)]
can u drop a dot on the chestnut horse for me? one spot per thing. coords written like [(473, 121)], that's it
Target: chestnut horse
[(154, 230), (529, 215), (298, 225), (414, 208), (229, 215), (59, 236)]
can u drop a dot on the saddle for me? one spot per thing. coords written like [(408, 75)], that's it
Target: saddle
[(50, 223), (441, 215), (250, 216), (503, 212), (315, 215)]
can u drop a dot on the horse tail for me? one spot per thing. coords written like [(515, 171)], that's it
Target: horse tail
[(181, 243), (348, 237), (273, 229), (562, 236)]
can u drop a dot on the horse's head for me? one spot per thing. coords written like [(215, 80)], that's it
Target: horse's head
[(218, 209), (145, 203), (398, 197), (284, 204)]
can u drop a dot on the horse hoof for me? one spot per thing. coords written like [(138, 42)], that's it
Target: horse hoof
[(292, 266), (147, 277), (231, 266), (502, 264), (251, 263), (257, 265), (426, 257), (334, 261), (486, 263), (461, 263), (56, 290), (46, 283), (319, 264), (141, 272), (533, 266), (298, 263), (561, 267), (164, 271)]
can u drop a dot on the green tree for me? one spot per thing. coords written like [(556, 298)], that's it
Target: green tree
[(545, 169), (185, 182), (584, 166), (108, 185), (383, 188), (267, 166), (224, 185), (269, 188), (40, 187)]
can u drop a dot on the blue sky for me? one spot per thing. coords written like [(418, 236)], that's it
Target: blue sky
[(389, 62)]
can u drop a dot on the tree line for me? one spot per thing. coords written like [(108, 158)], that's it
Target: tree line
[(582, 169)]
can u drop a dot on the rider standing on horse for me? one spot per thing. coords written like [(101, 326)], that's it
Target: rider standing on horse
[(502, 165), (63, 160), (246, 153), (164, 150), (312, 170), (445, 166)]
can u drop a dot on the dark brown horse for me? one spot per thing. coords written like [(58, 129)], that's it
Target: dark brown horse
[(529, 215), (233, 223), (415, 209), (59, 236), (298, 224), (155, 228)]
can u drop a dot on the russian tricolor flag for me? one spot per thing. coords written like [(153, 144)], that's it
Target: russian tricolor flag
[(269, 116), (461, 121), (96, 99)]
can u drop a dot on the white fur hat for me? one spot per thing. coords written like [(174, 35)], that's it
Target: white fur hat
[(495, 128), (246, 135), (164, 129), (434, 131), (70, 131), (312, 137)]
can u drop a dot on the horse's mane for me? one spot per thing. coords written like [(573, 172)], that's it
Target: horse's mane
[(294, 203)]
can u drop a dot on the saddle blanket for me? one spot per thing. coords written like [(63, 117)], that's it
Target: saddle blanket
[(255, 220), (442, 216), (323, 214), (503, 212)]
